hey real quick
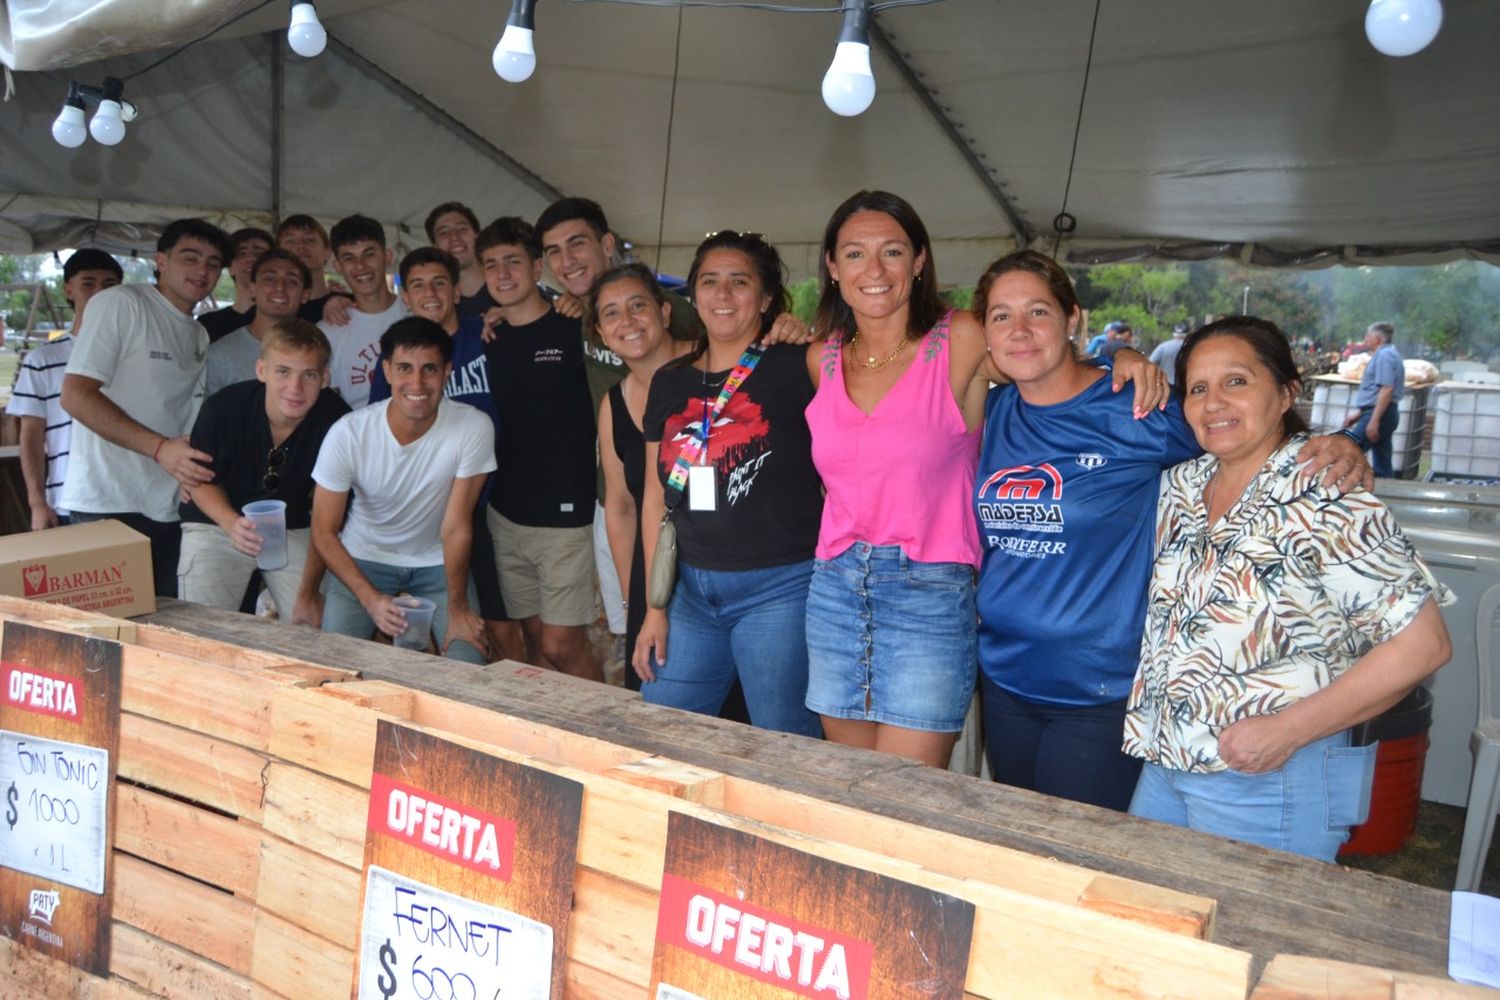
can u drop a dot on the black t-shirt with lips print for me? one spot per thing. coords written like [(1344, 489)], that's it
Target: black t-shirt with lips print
[(770, 500)]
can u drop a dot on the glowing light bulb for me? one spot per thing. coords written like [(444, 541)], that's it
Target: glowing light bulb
[(306, 35), (68, 129), (107, 126), (849, 86), (515, 55), (1403, 27)]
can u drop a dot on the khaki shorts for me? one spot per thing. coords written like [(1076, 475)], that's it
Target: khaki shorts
[(545, 573)]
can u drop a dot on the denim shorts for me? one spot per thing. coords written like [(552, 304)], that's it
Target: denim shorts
[(891, 640), (1305, 806)]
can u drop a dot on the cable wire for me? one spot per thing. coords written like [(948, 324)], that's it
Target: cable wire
[(1088, 66), (186, 45), (666, 167)]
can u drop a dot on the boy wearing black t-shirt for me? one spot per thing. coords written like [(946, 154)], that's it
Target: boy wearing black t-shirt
[(542, 505), (264, 437)]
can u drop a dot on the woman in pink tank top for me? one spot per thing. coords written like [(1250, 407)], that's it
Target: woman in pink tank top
[(895, 421)]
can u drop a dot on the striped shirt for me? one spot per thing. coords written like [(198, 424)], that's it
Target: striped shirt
[(38, 393)]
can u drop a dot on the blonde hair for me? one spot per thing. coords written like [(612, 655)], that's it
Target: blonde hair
[(297, 335)]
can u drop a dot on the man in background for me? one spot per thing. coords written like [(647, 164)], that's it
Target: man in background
[(278, 287), (46, 428), (245, 248), (453, 227), (1379, 398), (1165, 355)]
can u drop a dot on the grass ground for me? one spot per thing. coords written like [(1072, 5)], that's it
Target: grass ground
[(1430, 858)]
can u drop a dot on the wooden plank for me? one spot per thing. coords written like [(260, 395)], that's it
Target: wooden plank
[(227, 704), (163, 969), (321, 814), (1300, 977), (613, 927), (296, 964), (174, 834), (180, 911), (306, 889), (382, 696), (681, 781), (217, 773), (330, 735), (1149, 904), (584, 983), (115, 629)]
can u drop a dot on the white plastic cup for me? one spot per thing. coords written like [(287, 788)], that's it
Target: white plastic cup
[(419, 612), (269, 518)]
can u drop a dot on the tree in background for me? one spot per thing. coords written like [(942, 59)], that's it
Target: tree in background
[(1447, 311)]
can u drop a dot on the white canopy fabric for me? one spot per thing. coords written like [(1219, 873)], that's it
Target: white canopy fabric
[(1268, 131)]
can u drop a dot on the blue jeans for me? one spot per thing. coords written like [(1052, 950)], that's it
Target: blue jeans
[(1068, 751), (1380, 451), (746, 623), (343, 614), (1306, 806)]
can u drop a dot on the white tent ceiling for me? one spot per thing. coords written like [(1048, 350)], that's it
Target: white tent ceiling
[(1267, 130)]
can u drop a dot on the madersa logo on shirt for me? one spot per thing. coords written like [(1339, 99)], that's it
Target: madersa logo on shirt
[(1022, 497)]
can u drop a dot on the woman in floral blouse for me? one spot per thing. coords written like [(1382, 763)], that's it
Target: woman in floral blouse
[(1281, 615)]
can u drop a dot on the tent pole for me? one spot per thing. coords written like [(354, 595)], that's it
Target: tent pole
[(278, 103), (989, 177), (471, 138)]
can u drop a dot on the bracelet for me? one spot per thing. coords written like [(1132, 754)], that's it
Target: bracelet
[(158, 449), (1349, 434)]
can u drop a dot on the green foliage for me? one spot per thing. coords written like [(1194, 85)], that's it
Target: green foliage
[(804, 299)]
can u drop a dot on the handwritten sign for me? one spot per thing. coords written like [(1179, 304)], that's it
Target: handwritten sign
[(743, 918), (423, 942), (56, 800), (468, 874), (59, 746)]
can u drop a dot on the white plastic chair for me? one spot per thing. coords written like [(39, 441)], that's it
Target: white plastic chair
[(1484, 786)]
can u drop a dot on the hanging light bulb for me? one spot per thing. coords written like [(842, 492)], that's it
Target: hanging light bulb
[(108, 124), (849, 86), (515, 55), (68, 129), (1403, 27), (306, 35)]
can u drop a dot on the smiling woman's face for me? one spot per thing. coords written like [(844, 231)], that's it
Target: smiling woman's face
[(1233, 401)]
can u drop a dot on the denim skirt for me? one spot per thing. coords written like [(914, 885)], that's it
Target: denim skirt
[(891, 640)]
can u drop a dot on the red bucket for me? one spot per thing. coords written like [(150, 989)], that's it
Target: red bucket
[(1397, 790)]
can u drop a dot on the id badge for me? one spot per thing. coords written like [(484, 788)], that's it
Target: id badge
[(703, 490)]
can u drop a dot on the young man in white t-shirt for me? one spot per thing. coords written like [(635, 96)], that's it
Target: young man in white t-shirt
[(133, 386), (46, 428), (416, 464), (354, 328)]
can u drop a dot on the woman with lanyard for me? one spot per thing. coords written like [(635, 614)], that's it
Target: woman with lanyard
[(725, 432)]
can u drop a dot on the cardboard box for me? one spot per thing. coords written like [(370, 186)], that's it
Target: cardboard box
[(99, 566)]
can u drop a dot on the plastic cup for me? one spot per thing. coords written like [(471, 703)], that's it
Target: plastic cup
[(269, 518), (419, 612)]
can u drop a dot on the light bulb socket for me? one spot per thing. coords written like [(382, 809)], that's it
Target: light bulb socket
[(522, 14), (75, 96), (856, 26)]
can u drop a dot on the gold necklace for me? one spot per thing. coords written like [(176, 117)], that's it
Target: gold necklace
[(870, 362)]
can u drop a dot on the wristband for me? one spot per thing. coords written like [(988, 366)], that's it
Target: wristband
[(1351, 436), (158, 449)]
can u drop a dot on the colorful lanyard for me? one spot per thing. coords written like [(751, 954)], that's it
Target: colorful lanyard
[(696, 446)]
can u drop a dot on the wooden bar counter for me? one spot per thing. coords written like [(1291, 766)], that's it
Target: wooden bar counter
[(1072, 901)]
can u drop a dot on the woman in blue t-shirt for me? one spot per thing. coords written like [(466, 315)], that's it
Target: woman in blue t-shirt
[(1066, 501)]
